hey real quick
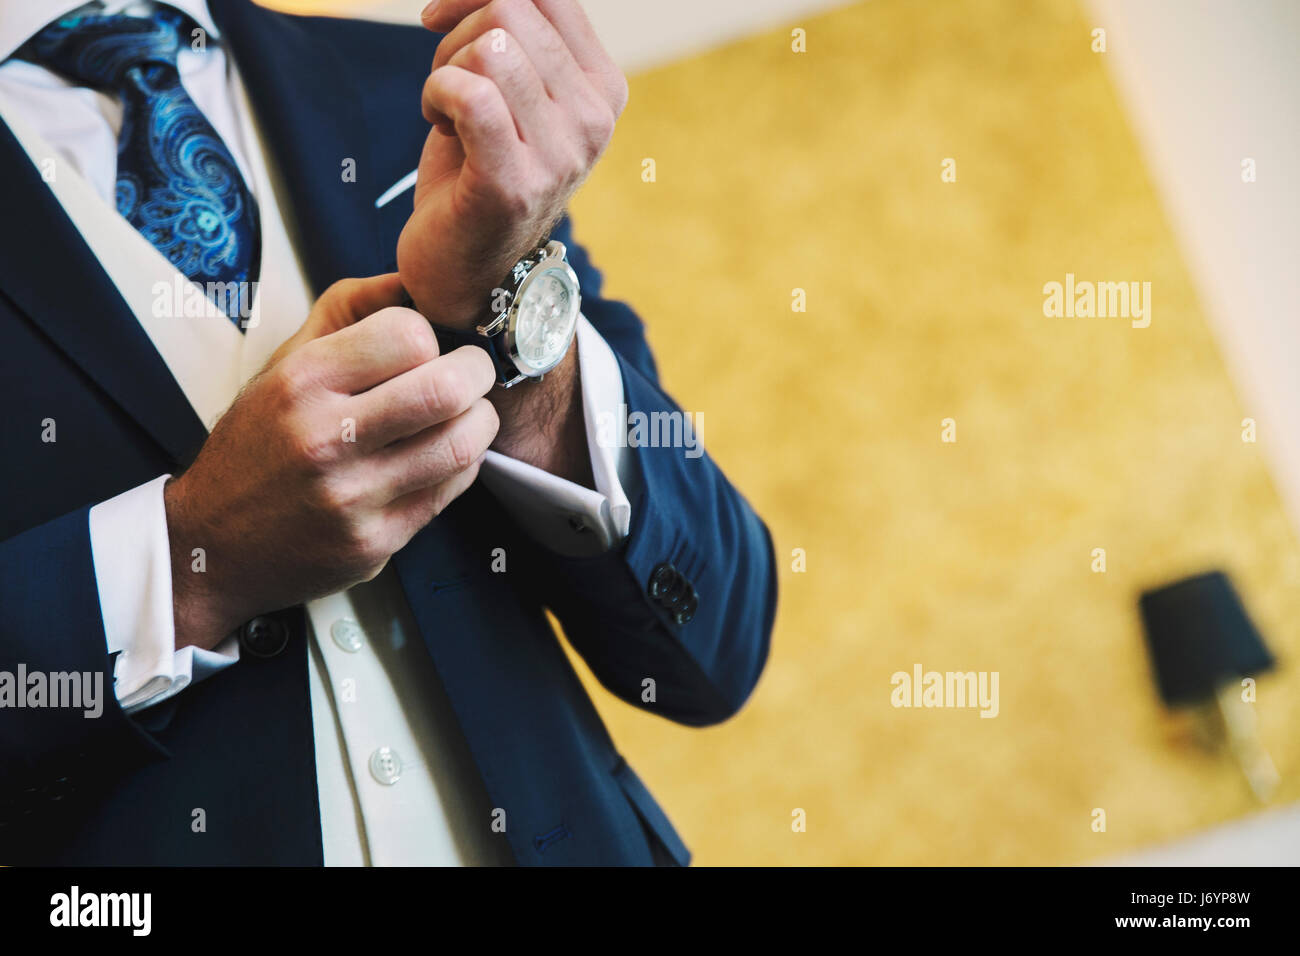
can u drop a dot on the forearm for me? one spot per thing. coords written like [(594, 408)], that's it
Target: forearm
[(689, 600), (201, 617)]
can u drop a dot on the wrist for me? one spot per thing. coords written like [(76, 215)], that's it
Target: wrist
[(450, 315), (543, 423), (201, 615)]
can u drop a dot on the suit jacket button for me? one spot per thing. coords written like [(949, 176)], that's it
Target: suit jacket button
[(678, 594), (662, 580), (687, 611), (264, 636)]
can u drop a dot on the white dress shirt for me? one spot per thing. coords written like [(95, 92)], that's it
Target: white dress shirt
[(396, 783)]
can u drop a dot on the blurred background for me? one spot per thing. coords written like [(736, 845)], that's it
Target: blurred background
[(821, 171)]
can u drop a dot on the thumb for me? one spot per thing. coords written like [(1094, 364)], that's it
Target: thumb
[(344, 303), (349, 301)]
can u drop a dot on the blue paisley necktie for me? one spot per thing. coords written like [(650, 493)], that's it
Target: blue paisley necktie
[(176, 181)]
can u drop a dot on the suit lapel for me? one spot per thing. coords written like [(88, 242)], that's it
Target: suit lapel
[(49, 273), (307, 108), (311, 118)]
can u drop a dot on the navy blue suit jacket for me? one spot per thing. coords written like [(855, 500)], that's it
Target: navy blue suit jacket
[(121, 789)]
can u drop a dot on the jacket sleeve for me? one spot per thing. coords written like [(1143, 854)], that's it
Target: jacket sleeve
[(52, 637), (678, 618)]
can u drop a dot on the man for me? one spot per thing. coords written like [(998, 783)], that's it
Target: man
[(325, 640)]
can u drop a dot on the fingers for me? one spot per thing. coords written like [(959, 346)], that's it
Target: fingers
[(565, 139), (563, 109), (561, 75), (343, 304), (482, 119), (566, 18), (445, 14), (350, 300), (499, 56), (367, 353), (413, 511), (437, 454), (570, 21), (434, 392)]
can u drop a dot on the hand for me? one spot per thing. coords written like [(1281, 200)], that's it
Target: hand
[(352, 439), (523, 99)]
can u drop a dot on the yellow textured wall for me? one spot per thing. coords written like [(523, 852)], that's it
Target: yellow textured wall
[(821, 171)]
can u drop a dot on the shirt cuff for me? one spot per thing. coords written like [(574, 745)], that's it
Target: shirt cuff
[(562, 515), (133, 571)]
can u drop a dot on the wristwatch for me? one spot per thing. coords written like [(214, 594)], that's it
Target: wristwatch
[(530, 323)]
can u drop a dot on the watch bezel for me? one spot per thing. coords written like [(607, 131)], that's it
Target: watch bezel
[(554, 258)]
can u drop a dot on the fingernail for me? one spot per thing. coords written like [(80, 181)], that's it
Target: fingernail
[(430, 10)]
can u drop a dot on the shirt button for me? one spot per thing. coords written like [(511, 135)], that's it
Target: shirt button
[(385, 766), (347, 635)]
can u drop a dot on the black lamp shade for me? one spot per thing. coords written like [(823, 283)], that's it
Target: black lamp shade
[(1200, 636)]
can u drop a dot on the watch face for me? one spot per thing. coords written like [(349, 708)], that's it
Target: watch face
[(545, 315)]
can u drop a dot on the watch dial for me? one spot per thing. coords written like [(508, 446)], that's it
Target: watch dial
[(547, 313)]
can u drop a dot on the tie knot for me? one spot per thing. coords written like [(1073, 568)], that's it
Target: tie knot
[(100, 51)]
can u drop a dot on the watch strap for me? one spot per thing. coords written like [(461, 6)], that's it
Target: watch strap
[(450, 339), (494, 343)]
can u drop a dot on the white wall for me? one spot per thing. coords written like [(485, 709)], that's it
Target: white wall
[(1206, 83)]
